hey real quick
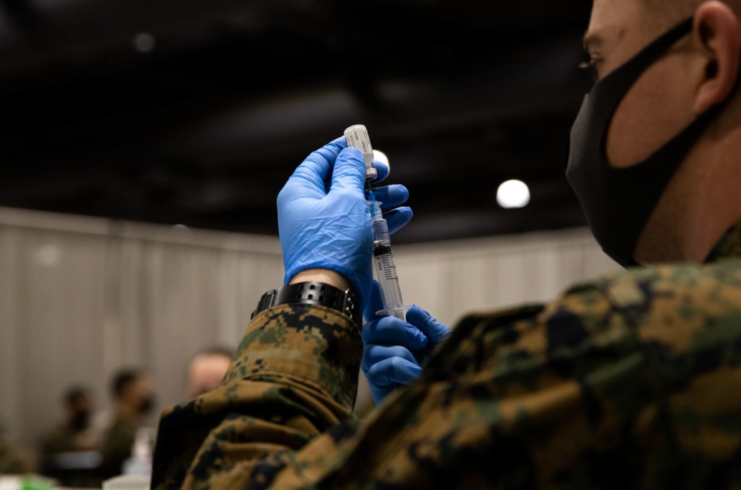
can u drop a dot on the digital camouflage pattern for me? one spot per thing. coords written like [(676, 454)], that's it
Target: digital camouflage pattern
[(631, 381)]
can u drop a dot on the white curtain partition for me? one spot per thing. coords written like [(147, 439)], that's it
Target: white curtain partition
[(82, 297), (450, 279)]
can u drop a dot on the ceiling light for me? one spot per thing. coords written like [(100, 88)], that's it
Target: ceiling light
[(380, 156), (513, 194), (144, 42)]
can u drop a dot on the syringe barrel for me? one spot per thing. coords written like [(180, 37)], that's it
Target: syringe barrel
[(383, 257), (387, 278), (381, 233)]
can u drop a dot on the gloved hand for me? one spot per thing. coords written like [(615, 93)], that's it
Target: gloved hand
[(323, 217), (394, 349)]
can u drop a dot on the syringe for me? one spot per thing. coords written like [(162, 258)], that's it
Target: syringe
[(383, 255)]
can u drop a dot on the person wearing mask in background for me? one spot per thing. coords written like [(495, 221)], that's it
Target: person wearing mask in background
[(133, 392), (627, 381), (206, 370), (13, 459), (73, 433)]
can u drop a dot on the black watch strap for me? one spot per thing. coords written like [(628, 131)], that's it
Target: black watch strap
[(313, 293)]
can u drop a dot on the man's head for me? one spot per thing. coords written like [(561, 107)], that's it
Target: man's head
[(206, 370), (696, 74), (133, 391), (77, 407)]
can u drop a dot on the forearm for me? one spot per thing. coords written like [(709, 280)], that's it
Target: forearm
[(326, 276), (294, 376)]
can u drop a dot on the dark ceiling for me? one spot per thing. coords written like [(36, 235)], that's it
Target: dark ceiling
[(205, 129)]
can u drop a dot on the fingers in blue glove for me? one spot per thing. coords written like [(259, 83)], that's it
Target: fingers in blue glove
[(390, 373), (391, 196), (349, 171), (435, 331), (374, 304), (317, 167), (373, 354), (382, 169), (392, 331), (398, 218)]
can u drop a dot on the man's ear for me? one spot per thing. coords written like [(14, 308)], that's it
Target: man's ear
[(716, 33)]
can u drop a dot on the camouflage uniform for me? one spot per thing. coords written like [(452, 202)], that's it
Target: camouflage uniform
[(59, 440), (632, 381), (116, 446), (13, 460)]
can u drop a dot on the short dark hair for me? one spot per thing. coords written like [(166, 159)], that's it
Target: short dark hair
[(74, 395), (123, 379)]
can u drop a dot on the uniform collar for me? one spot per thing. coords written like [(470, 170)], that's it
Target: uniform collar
[(729, 246)]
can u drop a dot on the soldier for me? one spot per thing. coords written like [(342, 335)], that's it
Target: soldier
[(206, 370), (627, 381), (73, 433), (134, 397)]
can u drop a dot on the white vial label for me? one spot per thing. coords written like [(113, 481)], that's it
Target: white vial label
[(357, 137)]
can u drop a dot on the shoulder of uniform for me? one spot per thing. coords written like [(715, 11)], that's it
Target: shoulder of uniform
[(632, 292), (674, 287), (500, 317)]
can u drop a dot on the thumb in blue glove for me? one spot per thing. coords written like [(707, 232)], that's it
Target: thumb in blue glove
[(394, 348), (435, 331)]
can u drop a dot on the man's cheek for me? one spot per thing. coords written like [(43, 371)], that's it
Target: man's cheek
[(656, 109)]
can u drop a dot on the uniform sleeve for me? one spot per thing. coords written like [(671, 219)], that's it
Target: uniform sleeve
[(293, 377), (631, 381), (58, 440), (116, 447)]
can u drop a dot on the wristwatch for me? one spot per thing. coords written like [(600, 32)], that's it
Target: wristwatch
[(313, 293)]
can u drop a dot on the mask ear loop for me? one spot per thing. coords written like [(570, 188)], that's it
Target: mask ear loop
[(710, 114), (635, 67)]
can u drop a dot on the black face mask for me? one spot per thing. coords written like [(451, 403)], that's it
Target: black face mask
[(146, 405), (80, 421), (619, 201)]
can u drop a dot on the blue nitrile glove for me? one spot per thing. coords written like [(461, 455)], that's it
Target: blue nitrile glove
[(390, 197), (394, 349), (323, 217)]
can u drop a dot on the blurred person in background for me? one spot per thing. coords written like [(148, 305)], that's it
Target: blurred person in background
[(133, 392), (69, 452), (13, 459), (627, 381), (206, 370), (73, 433)]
